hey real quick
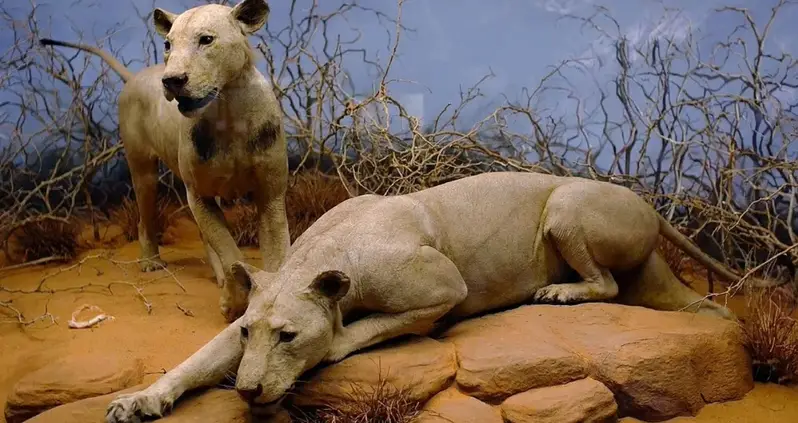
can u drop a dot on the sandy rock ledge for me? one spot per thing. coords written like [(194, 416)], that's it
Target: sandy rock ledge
[(68, 380), (583, 363)]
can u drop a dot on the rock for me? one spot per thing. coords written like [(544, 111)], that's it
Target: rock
[(90, 410), (211, 405), (420, 367), (71, 379), (505, 356), (453, 406), (583, 401), (658, 364)]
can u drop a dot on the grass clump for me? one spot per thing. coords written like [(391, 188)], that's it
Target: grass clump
[(47, 239), (127, 216), (310, 194), (365, 404), (771, 335)]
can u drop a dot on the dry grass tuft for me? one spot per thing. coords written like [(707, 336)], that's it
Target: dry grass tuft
[(127, 217), (310, 195), (771, 335), (242, 219), (677, 260), (46, 238), (365, 404)]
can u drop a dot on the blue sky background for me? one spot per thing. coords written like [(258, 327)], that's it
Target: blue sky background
[(455, 42)]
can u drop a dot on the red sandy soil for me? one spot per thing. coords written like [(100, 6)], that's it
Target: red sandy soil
[(166, 336)]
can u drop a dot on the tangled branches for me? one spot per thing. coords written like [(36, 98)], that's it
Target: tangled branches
[(706, 134)]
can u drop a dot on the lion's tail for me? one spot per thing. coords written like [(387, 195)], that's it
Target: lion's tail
[(116, 65), (655, 286), (692, 250)]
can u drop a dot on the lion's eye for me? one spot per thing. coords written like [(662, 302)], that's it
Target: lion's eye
[(167, 45), (286, 336), (205, 40), (244, 332)]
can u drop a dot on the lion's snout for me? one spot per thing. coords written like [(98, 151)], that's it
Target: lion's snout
[(175, 84), (249, 394)]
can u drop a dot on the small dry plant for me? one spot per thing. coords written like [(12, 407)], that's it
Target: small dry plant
[(677, 260), (127, 217), (365, 404), (242, 219), (771, 335), (46, 239), (310, 195)]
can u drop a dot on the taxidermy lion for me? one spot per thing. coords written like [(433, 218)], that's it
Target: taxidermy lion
[(462, 248), (215, 122)]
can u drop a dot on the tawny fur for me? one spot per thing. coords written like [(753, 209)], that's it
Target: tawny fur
[(221, 132), (470, 246)]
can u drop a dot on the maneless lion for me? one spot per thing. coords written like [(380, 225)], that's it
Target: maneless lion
[(465, 247), (214, 120)]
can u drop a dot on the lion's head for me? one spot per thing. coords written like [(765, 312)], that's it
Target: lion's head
[(206, 49)]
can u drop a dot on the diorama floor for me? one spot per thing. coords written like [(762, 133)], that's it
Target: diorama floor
[(162, 317)]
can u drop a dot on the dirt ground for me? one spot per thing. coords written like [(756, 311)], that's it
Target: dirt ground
[(109, 278)]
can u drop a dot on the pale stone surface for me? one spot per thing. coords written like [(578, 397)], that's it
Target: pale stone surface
[(582, 401), (71, 379), (453, 406), (420, 368), (658, 364)]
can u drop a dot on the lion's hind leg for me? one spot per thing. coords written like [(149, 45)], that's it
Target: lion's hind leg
[(655, 286), (597, 284)]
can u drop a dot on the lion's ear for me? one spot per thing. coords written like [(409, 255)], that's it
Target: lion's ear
[(244, 273), (331, 284), (163, 21), (251, 15)]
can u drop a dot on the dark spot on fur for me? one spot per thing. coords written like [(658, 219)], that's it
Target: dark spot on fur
[(264, 138), (202, 137)]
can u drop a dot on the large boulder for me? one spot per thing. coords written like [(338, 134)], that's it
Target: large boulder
[(658, 364), (582, 401), (418, 369), (533, 363), (70, 379), (89, 410)]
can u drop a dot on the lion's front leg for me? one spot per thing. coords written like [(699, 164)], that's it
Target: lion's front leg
[(382, 327), (214, 230), (273, 235), (433, 286), (206, 367)]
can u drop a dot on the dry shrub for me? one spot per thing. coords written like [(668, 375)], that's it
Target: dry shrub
[(310, 195), (365, 404), (771, 335), (242, 219), (46, 238), (127, 217), (677, 260)]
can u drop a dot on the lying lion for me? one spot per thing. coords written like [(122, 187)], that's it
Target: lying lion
[(465, 247), (223, 135)]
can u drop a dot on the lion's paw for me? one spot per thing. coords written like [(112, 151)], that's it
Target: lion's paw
[(152, 264), (131, 408), (555, 294)]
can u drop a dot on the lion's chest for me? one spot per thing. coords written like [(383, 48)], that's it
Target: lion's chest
[(216, 159)]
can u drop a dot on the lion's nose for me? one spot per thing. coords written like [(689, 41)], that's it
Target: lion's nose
[(249, 395), (175, 83)]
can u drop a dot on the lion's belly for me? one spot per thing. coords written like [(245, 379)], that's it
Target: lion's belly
[(506, 280)]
